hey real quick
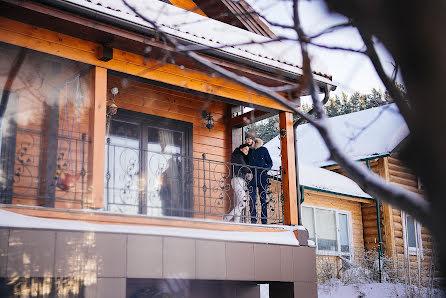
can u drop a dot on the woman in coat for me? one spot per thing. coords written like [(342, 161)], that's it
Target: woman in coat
[(240, 175)]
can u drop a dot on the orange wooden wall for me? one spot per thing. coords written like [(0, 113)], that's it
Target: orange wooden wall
[(38, 86), (216, 144)]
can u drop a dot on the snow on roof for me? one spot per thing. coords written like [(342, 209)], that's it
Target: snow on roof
[(14, 220), (205, 31), (364, 134), (318, 178)]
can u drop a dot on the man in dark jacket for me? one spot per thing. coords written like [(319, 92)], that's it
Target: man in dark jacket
[(261, 162)]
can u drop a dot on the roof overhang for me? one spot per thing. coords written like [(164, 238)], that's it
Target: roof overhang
[(92, 25)]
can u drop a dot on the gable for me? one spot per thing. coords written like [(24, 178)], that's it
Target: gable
[(236, 13)]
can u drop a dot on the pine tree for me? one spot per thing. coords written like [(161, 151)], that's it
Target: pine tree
[(337, 105)]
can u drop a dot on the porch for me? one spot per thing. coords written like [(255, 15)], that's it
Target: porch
[(155, 157)]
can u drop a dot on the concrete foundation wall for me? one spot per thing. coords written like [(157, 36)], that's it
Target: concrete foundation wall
[(100, 264)]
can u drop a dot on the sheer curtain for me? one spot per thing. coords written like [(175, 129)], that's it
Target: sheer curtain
[(171, 183)]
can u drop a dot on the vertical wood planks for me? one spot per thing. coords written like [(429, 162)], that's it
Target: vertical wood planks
[(389, 240), (96, 156), (289, 168)]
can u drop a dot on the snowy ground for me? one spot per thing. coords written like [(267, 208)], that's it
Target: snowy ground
[(375, 290)]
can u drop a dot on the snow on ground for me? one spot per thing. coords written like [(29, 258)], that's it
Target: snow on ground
[(335, 289)]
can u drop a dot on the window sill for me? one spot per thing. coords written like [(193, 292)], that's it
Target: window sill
[(331, 253)]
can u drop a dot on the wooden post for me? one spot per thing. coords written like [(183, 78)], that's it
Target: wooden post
[(383, 165), (96, 149), (289, 168)]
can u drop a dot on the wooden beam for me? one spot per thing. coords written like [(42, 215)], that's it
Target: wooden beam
[(126, 219), (96, 149), (289, 168), (312, 192), (188, 5), (383, 166), (275, 78), (249, 117), (66, 46)]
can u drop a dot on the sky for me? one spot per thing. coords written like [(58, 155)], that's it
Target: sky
[(351, 71)]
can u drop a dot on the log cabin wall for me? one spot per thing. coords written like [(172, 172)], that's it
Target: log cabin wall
[(370, 232), (328, 265), (371, 238), (393, 170), (404, 177), (215, 144), (369, 214)]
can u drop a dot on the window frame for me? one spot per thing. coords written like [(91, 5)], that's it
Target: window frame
[(338, 234), (144, 121), (418, 240), (8, 146)]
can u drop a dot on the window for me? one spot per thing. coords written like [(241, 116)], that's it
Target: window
[(412, 234), (8, 130), (329, 229), (147, 165)]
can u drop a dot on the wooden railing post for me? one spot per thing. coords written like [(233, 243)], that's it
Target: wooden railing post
[(289, 168), (96, 149)]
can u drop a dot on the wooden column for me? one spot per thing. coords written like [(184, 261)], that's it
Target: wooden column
[(289, 168), (96, 149), (389, 240)]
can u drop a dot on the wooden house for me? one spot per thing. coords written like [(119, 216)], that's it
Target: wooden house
[(372, 137), (115, 152)]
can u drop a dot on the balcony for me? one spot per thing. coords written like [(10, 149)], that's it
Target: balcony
[(162, 184), (136, 181)]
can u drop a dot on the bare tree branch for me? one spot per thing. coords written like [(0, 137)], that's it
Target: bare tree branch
[(369, 182), (15, 67), (330, 29), (393, 90)]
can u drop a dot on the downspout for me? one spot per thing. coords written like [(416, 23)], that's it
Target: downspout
[(300, 192), (378, 224)]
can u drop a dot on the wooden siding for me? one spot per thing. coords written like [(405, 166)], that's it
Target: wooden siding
[(404, 177), (393, 170), (47, 41), (37, 96), (216, 144)]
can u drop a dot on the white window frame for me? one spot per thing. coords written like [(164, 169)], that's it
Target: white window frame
[(418, 240), (338, 235)]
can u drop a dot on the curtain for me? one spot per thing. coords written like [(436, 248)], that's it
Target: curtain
[(172, 198)]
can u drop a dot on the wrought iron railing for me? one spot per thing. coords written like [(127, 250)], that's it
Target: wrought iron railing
[(164, 184), (41, 169)]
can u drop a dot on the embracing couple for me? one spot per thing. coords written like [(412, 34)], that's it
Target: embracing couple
[(251, 162)]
